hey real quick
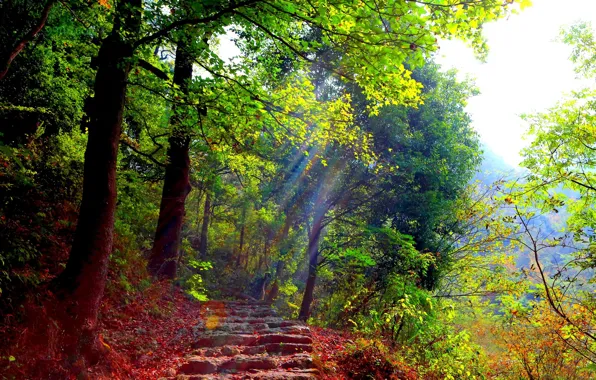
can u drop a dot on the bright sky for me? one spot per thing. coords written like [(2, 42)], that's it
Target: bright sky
[(526, 70)]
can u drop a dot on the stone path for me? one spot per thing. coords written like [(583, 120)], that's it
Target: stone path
[(247, 340)]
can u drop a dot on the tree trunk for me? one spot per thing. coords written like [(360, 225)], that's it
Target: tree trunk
[(259, 264), (241, 245), (266, 250), (6, 61), (281, 240), (274, 291), (162, 262), (82, 282), (199, 199), (205, 227), (313, 262)]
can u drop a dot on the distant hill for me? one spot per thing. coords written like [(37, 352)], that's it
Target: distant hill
[(494, 167)]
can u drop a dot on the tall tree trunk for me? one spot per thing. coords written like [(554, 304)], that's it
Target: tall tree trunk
[(259, 264), (274, 291), (199, 200), (6, 60), (313, 262), (266, 250), (83, 281), (205, 226), (162, 262), (241, 244), (282, 241)]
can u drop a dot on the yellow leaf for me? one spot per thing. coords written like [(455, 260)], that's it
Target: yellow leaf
[(104, 343), (524, 4)]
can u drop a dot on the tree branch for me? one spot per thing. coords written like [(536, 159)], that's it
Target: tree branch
[(148, 156), (16, 50), (154, 70), (193, 21)]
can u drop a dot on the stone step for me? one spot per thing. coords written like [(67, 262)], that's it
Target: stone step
[(238, 309), (199, 365), (309, 374), (235, 303), (298, 361), (256, 375), (244, 340), (270, 348), (240, 326), (240, 363), (284, 338), (256, 328), (278, 348), (223, 339), (251, 320), (283, 323)]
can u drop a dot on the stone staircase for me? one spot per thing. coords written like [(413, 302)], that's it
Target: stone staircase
[(247, 340)]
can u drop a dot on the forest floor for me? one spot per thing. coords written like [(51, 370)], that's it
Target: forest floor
[(164, 334)]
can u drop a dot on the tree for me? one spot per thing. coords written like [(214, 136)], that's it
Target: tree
[(425, 158), (83, 280), (162, 262), (436, 152)]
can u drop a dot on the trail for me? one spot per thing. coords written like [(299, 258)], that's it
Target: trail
[(247, 340)]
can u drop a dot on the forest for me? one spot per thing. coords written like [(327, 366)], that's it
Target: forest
[(298, 179)]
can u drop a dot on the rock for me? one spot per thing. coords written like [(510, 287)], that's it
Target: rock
[(198, 365), (296, 329), (287, 348), (245, 363), (217, 340), (283, 375), (282, 323), (300, 361), (284, 338), (230, 350), (254, 350), (170, 372)]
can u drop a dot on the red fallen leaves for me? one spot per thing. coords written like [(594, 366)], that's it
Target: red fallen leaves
[(328, 346), (145, 339), (339, 357), (154, 335)]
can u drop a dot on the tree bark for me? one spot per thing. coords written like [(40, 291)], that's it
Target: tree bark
[(313, 262), (82, 283), (205, 226), (176, 188), (274, 291), (6, 61), (266, 250), (241, 245), (281, 240)]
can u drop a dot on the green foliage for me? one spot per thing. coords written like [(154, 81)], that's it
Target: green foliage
[(40, 191), (193, 282), (580, 37)]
